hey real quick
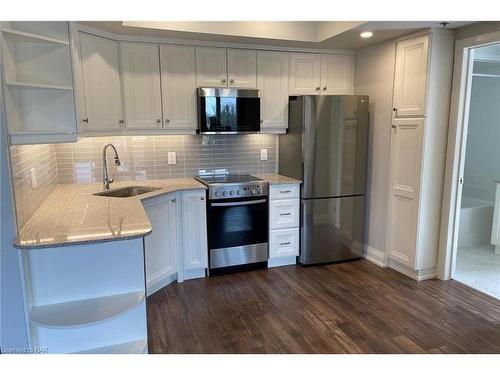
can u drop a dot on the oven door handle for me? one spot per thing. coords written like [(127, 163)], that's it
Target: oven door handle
[(245, 203)]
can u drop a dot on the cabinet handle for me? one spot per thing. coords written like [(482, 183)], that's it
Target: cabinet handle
[(158, 121), (202, 198), (261, 121), (231, 81), (173, 201), (167, 121), (85, 120), (393, 126), (395, 109), (223, 80), (318, 88), (122, 123), (324, 88), (284, 191)]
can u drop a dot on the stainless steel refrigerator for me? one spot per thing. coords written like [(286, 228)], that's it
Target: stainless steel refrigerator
[(326, 147)]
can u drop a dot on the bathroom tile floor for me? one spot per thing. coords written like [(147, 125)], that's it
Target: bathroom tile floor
[(479, 267)]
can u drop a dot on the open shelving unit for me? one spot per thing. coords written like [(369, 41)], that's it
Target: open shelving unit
[(86, 298), (38, 81)]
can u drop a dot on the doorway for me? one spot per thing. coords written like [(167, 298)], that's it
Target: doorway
[(477, 254)]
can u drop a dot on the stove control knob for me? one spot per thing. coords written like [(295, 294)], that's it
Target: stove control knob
[(231, 192), (224, 193), (254, 191), (260, 191), (238, 192), (217, 193)]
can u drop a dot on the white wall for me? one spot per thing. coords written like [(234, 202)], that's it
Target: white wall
[(374, 77), (482, 158)]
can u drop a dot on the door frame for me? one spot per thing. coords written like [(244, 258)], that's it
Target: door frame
[(455, 153)]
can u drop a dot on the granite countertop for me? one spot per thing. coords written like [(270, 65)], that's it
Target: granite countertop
[(73, 215)]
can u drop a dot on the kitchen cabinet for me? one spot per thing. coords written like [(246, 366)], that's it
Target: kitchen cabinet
[(194, 232), (272, 82), (241, 68), (162, 246), (284, 211), (102, 93), (410, 80), (211, 67), (37, 82), (337, 74), (314, 74), (178, 83), (141, 85), (418, 148), (305, 74)]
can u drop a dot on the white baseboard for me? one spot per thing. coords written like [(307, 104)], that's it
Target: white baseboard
[(160, 280), (281, 261), (429, 273), (194, 274), (375, 256)]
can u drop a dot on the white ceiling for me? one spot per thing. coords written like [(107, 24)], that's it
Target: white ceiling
[(296, 34)]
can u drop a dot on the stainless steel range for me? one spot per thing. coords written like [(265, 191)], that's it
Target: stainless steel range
[(237, 221)]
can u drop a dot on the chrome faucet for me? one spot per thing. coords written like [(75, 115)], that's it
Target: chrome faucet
[(106, 180)]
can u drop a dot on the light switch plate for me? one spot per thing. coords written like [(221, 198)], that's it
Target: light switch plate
[(172, 157), (33, 178), (263, 154)]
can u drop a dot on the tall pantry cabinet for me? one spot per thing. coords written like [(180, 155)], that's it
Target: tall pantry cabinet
[(421, 101)]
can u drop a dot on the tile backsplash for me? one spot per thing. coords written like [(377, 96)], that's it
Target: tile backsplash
[(145, 157), (42, 158)]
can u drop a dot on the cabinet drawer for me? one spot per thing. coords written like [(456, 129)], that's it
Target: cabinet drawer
[(284, 214), (284, 243), (284, 191)]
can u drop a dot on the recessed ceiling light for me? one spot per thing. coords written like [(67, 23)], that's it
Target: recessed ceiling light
[(366, 34)]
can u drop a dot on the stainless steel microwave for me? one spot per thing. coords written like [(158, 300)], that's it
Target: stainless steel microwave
[(228, 111)]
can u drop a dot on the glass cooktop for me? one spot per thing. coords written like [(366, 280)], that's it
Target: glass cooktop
[(227, 179)]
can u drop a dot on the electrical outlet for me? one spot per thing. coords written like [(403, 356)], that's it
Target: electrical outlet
[(263, 154), (172, 158), (33, 178)]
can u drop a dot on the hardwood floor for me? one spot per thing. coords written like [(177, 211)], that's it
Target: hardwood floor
[(354, 307)]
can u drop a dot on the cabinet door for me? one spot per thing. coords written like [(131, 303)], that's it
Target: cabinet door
[(194, 229), (272, 82), (211, 70), (242, 68), (305, 74), (284, 213), (406, 160), (337, 74), (284, 243), (141, 85), (410, 81), (178, 80), (162, 245), (101, 83)]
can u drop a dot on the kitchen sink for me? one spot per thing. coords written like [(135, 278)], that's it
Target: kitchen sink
[(129, 191)]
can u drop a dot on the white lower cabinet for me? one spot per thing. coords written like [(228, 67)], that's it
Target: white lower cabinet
[(177, 247), (162, 245), (284, 214)]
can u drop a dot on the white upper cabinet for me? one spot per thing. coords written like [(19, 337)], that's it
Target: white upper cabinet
[(410, 82), (211, 67), (305, 74), (141, 85), (272, 82), (194, 233), (178, 79), (241, 68), (337, 74), (102, 97)]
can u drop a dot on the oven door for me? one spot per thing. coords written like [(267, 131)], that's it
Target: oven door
[(237, 231)]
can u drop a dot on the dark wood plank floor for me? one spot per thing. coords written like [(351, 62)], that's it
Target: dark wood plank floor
[(352, 307)]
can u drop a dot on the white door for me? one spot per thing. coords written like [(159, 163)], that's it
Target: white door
[(337, 74), (272, 82), (101, 83), (211, 70), (194, 229), (162, 245), (242, 68), (410, 80), (305, 74), (141, 85), (406, 160), (178, 82)]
